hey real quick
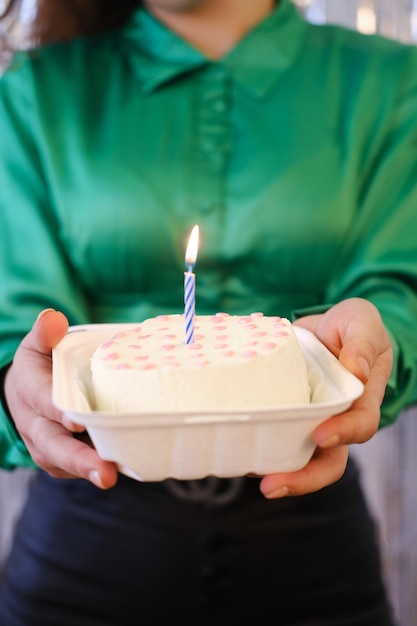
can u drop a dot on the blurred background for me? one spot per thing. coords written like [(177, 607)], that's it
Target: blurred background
[(388, 461), (393, 18)]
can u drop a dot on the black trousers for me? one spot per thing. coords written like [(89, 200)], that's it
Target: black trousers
[(140, 554)]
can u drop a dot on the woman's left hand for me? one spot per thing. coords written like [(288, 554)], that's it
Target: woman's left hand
[(354, 332)]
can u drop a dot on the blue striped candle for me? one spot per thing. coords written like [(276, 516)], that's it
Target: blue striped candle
[(189, 285)]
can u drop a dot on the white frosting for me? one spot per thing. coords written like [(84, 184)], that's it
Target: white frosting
[(234, 362)]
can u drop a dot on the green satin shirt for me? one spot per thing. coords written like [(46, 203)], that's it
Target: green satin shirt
[(296, 154)]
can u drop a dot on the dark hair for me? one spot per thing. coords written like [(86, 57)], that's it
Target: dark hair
[(59, 20)]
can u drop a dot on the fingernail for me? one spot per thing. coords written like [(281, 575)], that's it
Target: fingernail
[(330, 442), (72, 426), (43, 313), (95, 478), (279, 493), (68, 424), (364, 365)]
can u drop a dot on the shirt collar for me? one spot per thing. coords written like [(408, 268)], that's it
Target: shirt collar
[(157, 55)]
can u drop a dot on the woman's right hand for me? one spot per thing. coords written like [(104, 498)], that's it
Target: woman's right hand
[(50, 438)]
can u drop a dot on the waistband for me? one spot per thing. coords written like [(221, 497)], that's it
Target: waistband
[(218, 492), (212, 491)]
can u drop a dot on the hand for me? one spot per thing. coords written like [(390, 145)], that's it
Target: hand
[(354, 332), (48, 435)]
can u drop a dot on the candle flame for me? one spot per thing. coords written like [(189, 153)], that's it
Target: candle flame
[(192, 248)]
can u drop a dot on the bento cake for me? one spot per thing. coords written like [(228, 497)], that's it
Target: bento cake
[(234, 363)]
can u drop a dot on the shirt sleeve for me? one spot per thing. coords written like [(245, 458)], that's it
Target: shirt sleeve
[(34, 273), (13, 451), (379, 258)]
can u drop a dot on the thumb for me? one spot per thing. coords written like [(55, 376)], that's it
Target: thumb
[(49, 328), (358, 355), (28, 379)]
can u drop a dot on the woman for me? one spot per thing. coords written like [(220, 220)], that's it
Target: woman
[(293, 146)]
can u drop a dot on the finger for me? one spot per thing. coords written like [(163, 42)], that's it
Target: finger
[(357, 425), (360, 355), (35, 354), (325, 468), (354, 332), (362, 420), (64, 456), (357, 354), (49, 328)]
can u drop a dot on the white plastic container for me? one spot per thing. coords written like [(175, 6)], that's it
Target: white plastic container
[(152, 447)]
